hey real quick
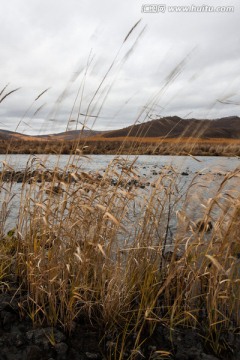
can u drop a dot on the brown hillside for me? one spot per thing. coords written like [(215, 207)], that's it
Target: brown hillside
[(64, 136), (175, 127), (169, 127)]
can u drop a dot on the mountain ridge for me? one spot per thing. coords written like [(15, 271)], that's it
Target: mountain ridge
[(66, 135), (174, 127), (165, 127)]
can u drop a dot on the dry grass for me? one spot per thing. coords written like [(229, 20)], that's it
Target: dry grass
[(137, 146), (79, 254)]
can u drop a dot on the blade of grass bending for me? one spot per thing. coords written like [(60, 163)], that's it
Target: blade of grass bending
[(129, 33), (9, 93)]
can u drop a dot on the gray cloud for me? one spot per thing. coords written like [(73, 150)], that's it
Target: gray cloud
[(49, 43)]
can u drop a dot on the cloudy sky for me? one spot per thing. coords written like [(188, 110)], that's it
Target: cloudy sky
[(183, 63)]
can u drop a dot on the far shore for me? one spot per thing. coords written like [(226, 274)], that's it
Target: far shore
[(126, 146)]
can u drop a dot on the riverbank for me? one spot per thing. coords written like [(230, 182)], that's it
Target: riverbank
[(81, 278), (19, 340), (126, 146)]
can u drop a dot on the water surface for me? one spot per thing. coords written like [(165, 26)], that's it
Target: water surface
[(205, 174)]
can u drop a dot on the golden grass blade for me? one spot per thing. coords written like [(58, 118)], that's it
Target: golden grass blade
[(111, 217), (215, 263)]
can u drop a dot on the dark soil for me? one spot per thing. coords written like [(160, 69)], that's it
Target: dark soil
[(19, 340)]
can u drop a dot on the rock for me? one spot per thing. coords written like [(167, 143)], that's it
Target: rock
[(12, 354), (18, 339), (75, 355), (61, 349), (188, 345), (5, 300), (8, 319), (42, 337), (188, 354), (33, 353), (92, 355), (208, 357)]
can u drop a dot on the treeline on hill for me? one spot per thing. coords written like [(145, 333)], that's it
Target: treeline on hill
[(128, 146)]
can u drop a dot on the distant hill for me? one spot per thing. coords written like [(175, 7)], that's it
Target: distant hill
[(67, 135), (167, 127), (11, 135), (174, 127), (71, 135)]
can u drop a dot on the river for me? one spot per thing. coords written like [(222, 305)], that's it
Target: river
[(207, 172)]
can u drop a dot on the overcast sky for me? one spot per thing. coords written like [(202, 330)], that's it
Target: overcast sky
[(172, 63)]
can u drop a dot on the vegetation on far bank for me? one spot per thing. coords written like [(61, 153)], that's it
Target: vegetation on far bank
[(129, 145)]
